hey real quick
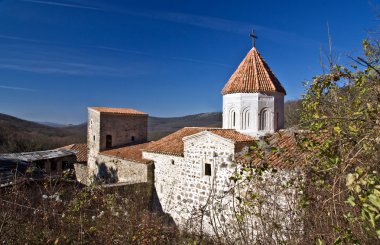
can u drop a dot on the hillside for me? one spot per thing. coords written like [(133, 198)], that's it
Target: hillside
[(159, 127), (17, 135)]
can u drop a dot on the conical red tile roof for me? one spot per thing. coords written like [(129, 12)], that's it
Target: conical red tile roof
[(252, 76)]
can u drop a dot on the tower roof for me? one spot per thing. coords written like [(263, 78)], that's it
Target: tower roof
[(252, 76), (118, 110)]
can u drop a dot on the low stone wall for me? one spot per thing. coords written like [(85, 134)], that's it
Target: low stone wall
[(110, 169), (81, 173), (140, 194)]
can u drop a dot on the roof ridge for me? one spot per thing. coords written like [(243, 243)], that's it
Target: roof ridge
[(117, 110), (267, 70)]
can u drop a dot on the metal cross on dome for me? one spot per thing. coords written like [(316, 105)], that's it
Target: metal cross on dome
[(252, 35)]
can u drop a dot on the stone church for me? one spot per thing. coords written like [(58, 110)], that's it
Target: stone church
[(183, 166)]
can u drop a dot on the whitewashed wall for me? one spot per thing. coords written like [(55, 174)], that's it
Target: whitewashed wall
[(254, 103)]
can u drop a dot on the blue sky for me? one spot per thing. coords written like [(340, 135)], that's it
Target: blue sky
[(167, 58)]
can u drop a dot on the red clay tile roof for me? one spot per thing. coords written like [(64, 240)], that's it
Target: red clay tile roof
[(81, 149), (289, 155), (132, 153), (118, 110), (253, 75), (173, 143), (231, 134)]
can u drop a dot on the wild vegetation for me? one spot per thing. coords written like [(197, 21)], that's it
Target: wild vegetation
[(60, 211), (342, 110), (292, 109)]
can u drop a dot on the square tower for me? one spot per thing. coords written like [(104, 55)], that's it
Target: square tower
[(109, 128)]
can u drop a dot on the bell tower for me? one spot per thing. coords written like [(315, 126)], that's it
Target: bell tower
[(253, 98)]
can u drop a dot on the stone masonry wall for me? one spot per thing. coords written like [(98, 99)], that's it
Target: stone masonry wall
[(81, 172), (116, 170), (183, 190), (182, 185), (93, 141), (124, 129)]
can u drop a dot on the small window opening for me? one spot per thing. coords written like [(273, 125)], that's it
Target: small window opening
[(94, 137), (40, 164), (207, 169), (65, 165), (133, 138), (53, 166), (172, 162), (108, 141)]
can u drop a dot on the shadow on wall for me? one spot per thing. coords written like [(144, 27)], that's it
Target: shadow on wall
[(156, 204), (157, 208), (106, 175), (109, 175)]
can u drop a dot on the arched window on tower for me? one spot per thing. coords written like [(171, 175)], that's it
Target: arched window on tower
[(265, 123), (245, 119), (232, 119)]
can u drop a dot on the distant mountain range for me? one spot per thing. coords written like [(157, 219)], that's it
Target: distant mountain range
[(55, 125), (18, 135), (159, 127)]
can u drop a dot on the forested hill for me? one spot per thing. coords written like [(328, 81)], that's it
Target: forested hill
[(17, 135), (159, 127)]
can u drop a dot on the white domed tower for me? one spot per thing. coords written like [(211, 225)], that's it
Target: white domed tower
[(253, 98)]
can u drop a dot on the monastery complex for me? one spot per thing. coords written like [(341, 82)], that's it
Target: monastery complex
[(184, 167)]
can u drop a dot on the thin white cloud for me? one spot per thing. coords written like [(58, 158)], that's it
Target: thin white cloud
[(20, 38), (129, 51), (65, 68), (62, 4), (214, 23), (230, 26), (199, 61), (17, 88), (191, 60)]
